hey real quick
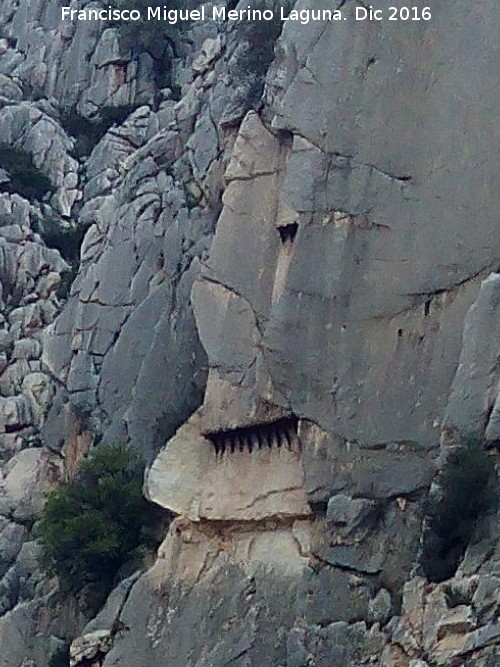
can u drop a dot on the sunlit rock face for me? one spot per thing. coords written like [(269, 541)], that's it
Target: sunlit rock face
[(296, 289), (243, 475)]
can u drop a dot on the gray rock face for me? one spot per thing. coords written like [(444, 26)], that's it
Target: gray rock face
[(299, 269), (11, 540), (472, 403), (375, 276), (76, 63), (346, 307), (29, 129), (129, 303), (252, 605), (349, 514), (142, 242), (119, 357), (346, 304), (29, 276)]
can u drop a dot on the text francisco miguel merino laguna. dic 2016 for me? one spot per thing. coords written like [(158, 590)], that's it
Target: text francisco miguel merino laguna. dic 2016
[(173, 16)]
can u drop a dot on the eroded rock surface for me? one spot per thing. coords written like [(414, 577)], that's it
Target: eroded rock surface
[(298, 230)]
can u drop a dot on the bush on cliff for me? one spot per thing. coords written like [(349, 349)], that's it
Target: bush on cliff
[(150, 35), (464, 495), (63, 236), (23, 177), (98, 521)]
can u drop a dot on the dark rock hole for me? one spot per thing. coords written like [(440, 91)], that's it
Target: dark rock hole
[(288, 232), (277, 434)]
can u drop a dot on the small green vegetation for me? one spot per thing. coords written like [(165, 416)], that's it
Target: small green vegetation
[(254, 52), (24, 178), (63, 236), (454, 596), (465, 495), (261, 37), (67, 279), (94, 524), (151, 35), (60, 657), (87, 133)]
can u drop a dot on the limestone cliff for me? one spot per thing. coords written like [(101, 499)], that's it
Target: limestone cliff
[(269, 259)]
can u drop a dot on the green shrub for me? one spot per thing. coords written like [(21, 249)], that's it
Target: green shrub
[(87, 133), (254, 52), (261, 38), (60, 658), (59, 234), (149, 36), (98, 521), (67, 279), (25, 179), (63, 236), (465, 494)]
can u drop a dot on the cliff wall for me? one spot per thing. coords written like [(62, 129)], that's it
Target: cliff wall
[(286, 299)]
